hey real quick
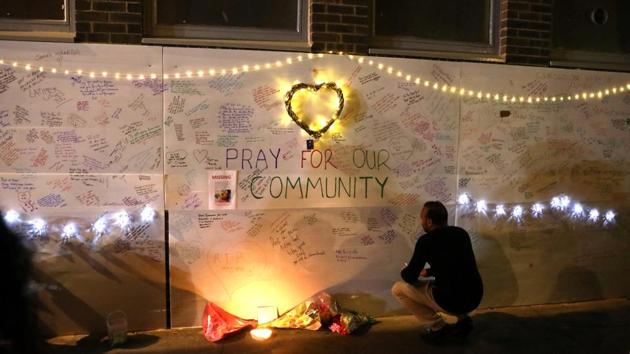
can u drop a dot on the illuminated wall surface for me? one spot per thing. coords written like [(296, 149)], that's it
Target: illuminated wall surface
[(254, 220)]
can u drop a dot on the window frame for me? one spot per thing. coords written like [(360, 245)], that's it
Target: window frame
[(231, 37), (564, 58), (418, 47), (42, 30)]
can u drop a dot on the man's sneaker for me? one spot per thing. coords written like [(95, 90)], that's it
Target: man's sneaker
[(439, 336)]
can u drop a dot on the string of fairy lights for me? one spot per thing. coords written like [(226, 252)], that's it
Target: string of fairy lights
[(483, 95), (562, 203), (36, 227)]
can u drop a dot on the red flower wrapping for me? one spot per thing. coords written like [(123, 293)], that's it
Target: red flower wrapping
[(217, 322)]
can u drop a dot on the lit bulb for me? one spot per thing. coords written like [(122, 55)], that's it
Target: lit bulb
[(578, 210), (11, 216), (610, 216), (517, 212), (38, 226), (100, 225), (564, 202), (481, 206), (122, 219), (537, 209), (70, 230), (593, 215), (555, 203), (463, 199), (500, 210), (147, 214)]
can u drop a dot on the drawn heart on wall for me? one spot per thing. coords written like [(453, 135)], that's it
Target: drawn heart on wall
[(314, 124), (200, 155)]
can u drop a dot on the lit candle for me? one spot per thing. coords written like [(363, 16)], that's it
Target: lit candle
[(267, 314), (260, 334)]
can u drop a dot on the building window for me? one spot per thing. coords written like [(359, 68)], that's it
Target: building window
[(37, 20), (238, 23), (591, 34), (463, 29)]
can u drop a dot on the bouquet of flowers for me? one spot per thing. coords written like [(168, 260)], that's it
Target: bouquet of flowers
[(347, 322), (311, 314)]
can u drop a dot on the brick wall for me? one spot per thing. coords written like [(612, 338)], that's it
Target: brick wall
[(527, 31), (114, 21), (340, 25)]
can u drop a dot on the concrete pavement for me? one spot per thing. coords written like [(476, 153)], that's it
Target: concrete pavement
[(586, 327)]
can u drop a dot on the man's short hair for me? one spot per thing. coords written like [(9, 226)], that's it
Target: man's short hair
[(436, 211)]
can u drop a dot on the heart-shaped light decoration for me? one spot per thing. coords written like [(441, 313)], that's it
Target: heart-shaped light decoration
[(307, 121)]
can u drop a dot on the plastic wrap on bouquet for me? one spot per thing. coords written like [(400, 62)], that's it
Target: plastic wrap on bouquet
[(217, 323), (347, 322), (311, 314)]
